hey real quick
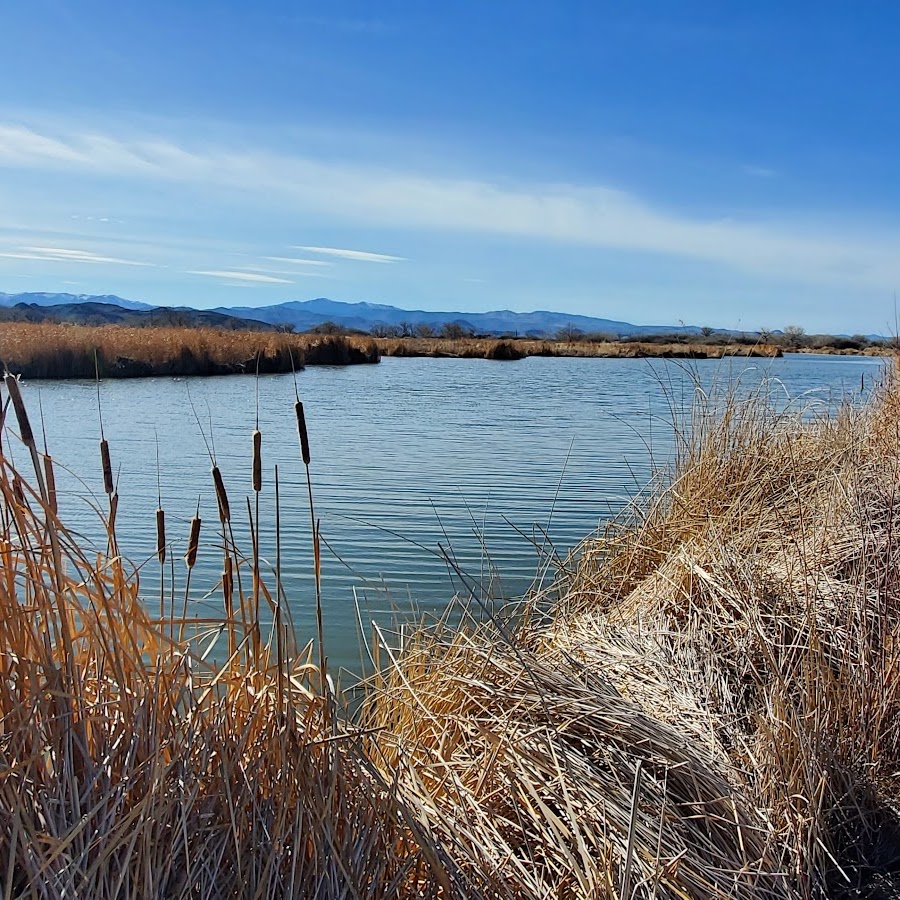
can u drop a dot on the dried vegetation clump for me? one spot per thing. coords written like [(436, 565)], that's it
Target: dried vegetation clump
[(708, 709), (51, 350), (712, 708)]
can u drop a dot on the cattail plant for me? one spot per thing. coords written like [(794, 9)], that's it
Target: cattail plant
[(161, 535), (305, 456), (25, 431), (15, 395), (221, 496), (193, 541), (106, 463), (257, 461), (255, 521), (301, 431)]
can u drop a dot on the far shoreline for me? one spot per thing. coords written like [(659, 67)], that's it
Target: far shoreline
[(54, 351)]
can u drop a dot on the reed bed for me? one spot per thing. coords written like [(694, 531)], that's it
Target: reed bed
[(706, 707), (712, 708), (517, 348), (53, 350)]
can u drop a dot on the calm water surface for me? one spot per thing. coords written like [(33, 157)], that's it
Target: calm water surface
[(414, 461)]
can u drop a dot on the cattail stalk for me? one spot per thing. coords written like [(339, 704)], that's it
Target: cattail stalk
[(304, 453), (228, 585), (161, 535), (27, 435), (279, 589), (301, 431), (254, 524), (228, 595), (25, 432), (221, 496), (193, 542), (107, 467), (191, 559), (111, 523), (257, 460)]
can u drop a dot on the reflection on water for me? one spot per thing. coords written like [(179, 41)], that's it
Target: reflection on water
[(423, 469)]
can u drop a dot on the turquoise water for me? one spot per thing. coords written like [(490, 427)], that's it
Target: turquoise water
[(432, 477)]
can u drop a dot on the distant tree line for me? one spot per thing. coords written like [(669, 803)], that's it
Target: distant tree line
[(791, 337)]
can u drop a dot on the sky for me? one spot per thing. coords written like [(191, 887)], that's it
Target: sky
[(702, 162)]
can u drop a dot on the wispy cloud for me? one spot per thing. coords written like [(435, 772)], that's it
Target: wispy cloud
[(254, 277), (758, 171), (299, 262), (587, 215), (294, 273), (65, 255), (358, 255)]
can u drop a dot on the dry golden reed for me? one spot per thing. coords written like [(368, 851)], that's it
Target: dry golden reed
[(513, 349), (48, 350)]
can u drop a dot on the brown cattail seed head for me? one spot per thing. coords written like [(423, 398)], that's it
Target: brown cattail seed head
[(12, 385), (257, 461), (161, 534), (107, 467), (301, 430), (193, 542), (50, 479), (221, 496)]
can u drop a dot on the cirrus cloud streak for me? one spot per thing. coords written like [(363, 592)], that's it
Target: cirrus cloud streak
[(585, 215), (233, 275)]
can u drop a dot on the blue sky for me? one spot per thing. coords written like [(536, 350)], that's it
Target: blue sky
[(721, 163)]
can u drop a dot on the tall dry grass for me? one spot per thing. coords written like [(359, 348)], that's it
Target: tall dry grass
[(52, 350), (518, 348), (709, 709)]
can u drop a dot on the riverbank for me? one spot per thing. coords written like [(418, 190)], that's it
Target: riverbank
[(707, 705), (51, 350), (519, 348), (877, 351)]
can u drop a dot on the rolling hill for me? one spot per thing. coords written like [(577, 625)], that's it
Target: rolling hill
[(90, 312), (364, 316)]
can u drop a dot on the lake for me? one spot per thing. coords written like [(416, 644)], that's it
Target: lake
[(430, 475)]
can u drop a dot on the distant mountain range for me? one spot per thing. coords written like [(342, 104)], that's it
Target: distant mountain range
[(103, 312), (41, 299), (305, 314), (302, 315)]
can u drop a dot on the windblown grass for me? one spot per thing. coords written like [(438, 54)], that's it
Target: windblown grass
[(709, 709), (50, 350)]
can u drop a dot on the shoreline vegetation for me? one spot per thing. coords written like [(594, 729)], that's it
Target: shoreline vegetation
[(51, 350), (706, 705), (519, 348), (64, 350)]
